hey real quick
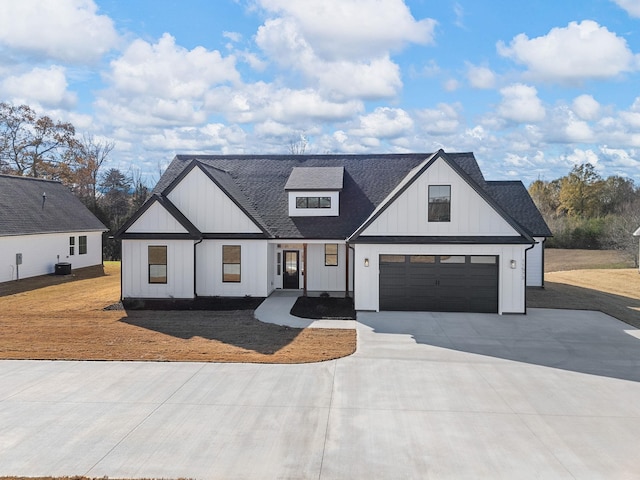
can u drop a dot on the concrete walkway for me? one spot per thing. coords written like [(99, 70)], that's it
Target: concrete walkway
[(554, 394), (276, 308)]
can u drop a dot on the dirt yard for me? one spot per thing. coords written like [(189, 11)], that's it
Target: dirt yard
[(589, 280), (67, 321)]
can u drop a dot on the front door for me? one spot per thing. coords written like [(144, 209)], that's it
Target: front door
[(291, 278)]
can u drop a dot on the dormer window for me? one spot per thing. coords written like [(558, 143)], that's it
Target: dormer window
[(313, 202), (315, 191)]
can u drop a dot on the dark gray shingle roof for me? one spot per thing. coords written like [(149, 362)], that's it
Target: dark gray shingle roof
[(22, 211), (257, 183), (315, 178), (516, 201)]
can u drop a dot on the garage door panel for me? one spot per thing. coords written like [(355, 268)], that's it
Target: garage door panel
[(439, 283)]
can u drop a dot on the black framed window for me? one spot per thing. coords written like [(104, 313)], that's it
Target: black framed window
[(231, 263), (331, 254), (82, 244), (313, 202), (439, 203), (72, 245), (157, 255)]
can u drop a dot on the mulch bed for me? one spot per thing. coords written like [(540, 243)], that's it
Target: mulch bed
[(319, 308)]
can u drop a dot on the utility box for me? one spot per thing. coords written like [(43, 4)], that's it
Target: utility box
[(63, 268), (18, 259)]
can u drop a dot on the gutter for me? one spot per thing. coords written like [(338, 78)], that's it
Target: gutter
[(525, 276), (195, 294)]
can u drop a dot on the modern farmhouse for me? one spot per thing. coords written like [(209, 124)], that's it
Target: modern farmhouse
[(43, 224), (396, 231)]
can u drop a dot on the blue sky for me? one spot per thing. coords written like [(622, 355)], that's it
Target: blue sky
[(532, 88)]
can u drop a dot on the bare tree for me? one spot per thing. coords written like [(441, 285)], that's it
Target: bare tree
[(298, 146), (89, 157), (31, 145)]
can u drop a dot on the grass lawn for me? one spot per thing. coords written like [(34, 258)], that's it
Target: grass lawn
[(591, 280), (68, 321)]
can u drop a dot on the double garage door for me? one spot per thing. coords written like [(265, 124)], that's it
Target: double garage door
[(439, 283)]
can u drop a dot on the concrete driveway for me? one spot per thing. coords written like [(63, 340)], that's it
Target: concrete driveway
[(554, 394)]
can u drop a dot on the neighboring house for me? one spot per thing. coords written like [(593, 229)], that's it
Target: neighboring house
[(401, 232), (41, 224)]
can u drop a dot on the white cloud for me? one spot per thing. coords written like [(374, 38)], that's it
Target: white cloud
[(163, 83), (46, 87), (580, 51), (379, 78), (169, 70), (441, 120), (263, 101), (63, 30), (621, 158), (373, 78), (451, 85), (579, 156), (354, 30), (631, 6), (480, 77), (210, 137), (342, 48), (520, 103), (586, 107), (383, 123)]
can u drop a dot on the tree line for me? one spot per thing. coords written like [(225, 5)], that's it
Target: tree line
[(37, 146), (585, 210)]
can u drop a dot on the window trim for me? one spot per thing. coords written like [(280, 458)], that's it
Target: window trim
[(239, 263), (431, 216), (327, 263), (151, 279), (82, 245), (72, 245)]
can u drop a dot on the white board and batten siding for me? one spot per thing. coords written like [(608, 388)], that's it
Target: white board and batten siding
[(208, 207), (535, 265), (254, 278), (156, 220), (41, 252), (511, 285), (135, 274), (470, 214), (324, 278)]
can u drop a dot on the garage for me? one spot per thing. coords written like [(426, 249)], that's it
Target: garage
[(439, 283)]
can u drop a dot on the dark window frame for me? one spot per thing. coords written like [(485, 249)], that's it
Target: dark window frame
[(82, 245), (230, 277), (72, 245), (439, 207), (330, 258), (313, 202), (155, 259)]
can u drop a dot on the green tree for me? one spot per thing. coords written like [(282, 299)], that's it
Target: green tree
[(580, 192)]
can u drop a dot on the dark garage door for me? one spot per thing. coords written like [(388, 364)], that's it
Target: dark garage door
[(439, 283)]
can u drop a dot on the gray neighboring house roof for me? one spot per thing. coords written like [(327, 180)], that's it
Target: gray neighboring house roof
[(25, 211), (256, 183)]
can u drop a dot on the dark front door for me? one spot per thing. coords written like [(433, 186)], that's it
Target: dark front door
[(291, 278)]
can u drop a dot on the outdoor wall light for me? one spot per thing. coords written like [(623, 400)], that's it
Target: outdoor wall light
[(366, 262), (513, 264)]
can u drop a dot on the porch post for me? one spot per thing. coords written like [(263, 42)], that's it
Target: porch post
[(304, 272)]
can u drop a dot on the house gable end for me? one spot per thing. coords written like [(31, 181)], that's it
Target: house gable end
[(473, 212), (156, 219), (207, 204)]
